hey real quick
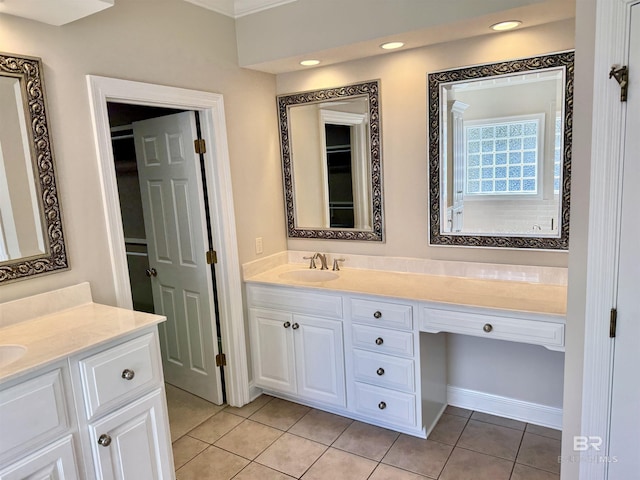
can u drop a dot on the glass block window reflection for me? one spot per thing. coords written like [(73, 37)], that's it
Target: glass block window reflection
[(557, 160), (502, 158)]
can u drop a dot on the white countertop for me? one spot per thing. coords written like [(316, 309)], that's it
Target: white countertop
[(58, 335), (510, 295)]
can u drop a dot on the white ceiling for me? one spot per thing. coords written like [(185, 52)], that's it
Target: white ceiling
[(238, 8)]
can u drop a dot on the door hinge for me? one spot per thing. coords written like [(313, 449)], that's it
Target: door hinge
[(613, 319), (212, 257), (221, 360), (621, 74), (200, 146)]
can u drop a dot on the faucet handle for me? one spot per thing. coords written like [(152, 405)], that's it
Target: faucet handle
[(312, 261), (336, 267)]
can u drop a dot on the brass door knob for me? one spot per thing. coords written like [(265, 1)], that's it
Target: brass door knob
[(151, 272), (379, 341), (128, 374)]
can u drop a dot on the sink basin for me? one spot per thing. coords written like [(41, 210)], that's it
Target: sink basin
[(309, 275), (10, 353)]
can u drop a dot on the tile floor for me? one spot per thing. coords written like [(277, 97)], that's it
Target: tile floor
[(272, 439)]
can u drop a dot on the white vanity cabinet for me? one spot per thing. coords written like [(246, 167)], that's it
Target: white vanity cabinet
[(37, 427), (123, 417), (297, 344)]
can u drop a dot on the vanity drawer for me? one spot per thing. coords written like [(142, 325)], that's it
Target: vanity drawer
[(295, 301), (119, 373), (384, 370), (383, 340), (31, 414), (386, 405), (547, 334), (373, 312)]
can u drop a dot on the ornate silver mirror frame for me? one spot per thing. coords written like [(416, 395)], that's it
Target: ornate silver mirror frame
[(436, 83), (368, 91), (51, 256)]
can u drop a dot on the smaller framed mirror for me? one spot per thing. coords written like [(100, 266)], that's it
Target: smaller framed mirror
[(331, 161), (31, 236), (500, 153)]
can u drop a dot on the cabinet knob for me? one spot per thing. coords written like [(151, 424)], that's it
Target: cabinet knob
[(104, 440), (382, 405), (295, 326), (286, 324), (379, 341), (487, 327), (377, 314), (380, 371), (128, 374)]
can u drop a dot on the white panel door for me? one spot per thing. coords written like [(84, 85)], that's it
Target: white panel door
[(319, 359), (625, 421), (175, 225), (272, 350)]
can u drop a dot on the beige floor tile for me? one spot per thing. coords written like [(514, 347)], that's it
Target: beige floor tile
[(460, 412), (291, 454), (186, 448), (250, 408), (503, 422), (186, 411), (366, 440), (491, 439), (387, 472), (255, 471), (522, 472), (467, 465), (540, 452), (336, 463), (321, 426), (249, 439), (212, 463), (418, 455), (215, 427), (280, 414), (544, 431), (448, 429)]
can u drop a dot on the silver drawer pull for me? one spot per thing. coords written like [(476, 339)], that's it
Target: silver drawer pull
[(377, 314), (295, 326), (382, 405), (487, 327), (128, 374), (286, 324), (379, 341), (104, 440), (380, 371)]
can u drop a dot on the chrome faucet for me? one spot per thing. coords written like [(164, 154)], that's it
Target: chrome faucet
[(323, 261)]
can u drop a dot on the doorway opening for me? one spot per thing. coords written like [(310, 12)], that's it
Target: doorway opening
[(219, 202)]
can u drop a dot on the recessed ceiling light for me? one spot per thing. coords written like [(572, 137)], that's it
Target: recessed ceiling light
[(392, 45), (309, 63), (508, 25)]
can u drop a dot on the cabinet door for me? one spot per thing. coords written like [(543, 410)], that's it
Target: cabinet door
[(54, 462), (319, 359), (133, 442), (272, 350)]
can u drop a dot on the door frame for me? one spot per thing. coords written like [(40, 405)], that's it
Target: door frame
[(210, 106), (608, 126)]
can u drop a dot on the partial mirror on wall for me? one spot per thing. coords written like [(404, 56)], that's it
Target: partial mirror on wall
[(500, 153), (330, 141), (31, 237)]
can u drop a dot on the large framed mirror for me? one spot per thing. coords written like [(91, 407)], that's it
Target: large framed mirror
[(31, 236), (332, 165), (500, 153)]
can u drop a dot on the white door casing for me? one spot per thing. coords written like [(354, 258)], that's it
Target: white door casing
[(625, 422), (175, 225), (612, 18), (220, 201)]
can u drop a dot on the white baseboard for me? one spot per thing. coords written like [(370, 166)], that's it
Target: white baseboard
[(254, 392), (505, 407)]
